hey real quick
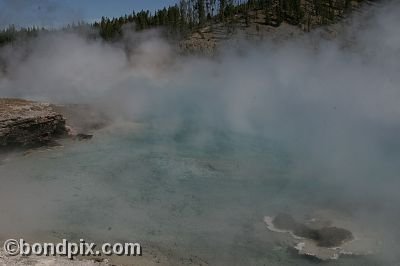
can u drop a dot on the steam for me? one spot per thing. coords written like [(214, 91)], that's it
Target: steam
[(333, 103)]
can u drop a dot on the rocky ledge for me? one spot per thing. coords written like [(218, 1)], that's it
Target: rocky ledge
[(28, 123)]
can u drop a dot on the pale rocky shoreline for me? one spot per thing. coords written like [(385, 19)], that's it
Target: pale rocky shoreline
[(152, 257), (46, 261)]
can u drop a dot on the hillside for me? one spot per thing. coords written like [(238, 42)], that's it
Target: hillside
[(257, 25), (211, 19)]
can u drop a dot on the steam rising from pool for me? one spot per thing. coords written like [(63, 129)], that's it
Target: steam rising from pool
[(305, 125)]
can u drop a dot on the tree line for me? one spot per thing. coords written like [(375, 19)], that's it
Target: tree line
[(186, 16)]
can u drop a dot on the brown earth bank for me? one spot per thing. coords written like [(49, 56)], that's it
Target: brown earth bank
[(27, 124)]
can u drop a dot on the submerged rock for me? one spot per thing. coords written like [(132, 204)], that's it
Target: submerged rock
[(285, 222), (319, 239), (83, 118), (332, 236), (324, 237), (28, 123), (82, 136)]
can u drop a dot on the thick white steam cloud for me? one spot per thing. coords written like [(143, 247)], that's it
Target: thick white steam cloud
[(334, 103), (336, 99)]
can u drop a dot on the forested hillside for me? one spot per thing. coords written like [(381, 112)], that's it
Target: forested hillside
[(187, 16)]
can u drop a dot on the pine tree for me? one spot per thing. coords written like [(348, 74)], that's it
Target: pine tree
[(201, 11), (222, 7)]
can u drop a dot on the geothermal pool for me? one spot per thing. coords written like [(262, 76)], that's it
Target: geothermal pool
[(194, 199)]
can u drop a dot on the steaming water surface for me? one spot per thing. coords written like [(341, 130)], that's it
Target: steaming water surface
[(318, 123), (201, 203)]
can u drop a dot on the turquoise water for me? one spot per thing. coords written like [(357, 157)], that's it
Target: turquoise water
[(196, 199)]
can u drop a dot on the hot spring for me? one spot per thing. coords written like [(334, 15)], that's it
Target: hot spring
[(200, 150), (202, 203)]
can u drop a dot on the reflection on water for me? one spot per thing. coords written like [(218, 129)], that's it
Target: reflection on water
[(198, 199)]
